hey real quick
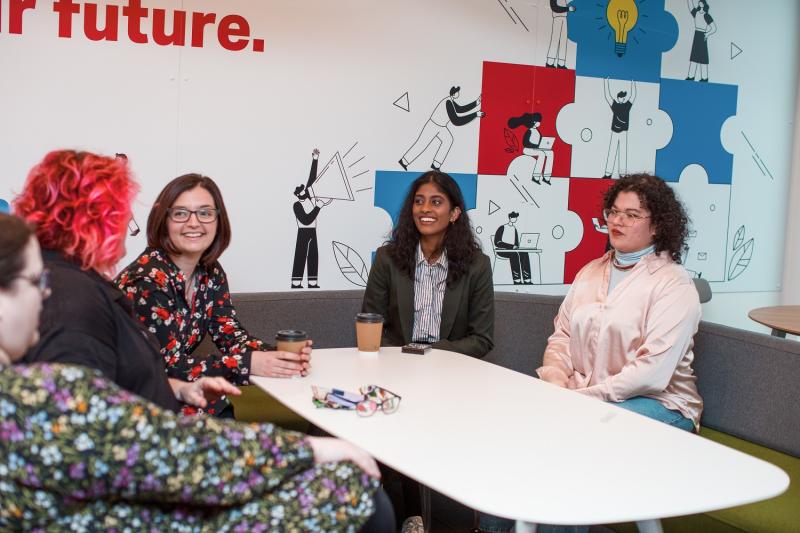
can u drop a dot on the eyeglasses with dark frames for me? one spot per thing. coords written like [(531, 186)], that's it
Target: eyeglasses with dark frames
[(41, 280), (205, 215)]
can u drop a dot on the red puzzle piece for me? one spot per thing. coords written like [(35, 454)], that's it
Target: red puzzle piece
[(509, 91), (586, 200)]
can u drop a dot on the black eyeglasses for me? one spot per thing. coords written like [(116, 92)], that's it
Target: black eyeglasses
[(205, 215), (41, 281)]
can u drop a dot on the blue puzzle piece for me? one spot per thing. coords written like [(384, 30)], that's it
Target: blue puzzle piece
[(654, 32), (392, 186), (698, 111), (4, 208)]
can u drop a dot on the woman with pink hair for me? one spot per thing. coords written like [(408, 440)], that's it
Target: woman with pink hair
[(79, 204)]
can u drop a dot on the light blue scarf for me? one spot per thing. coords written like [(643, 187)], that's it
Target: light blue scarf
[(631, 258)]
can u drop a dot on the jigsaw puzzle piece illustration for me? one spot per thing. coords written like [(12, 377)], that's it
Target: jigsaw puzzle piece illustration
[(519, 99), (534, 218), (621, 39), (586, 200), (587, 126), (698, 112), (708, 207), (391, 187)]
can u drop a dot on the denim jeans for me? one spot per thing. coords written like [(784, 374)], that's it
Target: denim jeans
[(639, 404), (654, 409)]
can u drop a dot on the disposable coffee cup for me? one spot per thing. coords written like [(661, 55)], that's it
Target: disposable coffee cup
[(369, 328), (291, 340)]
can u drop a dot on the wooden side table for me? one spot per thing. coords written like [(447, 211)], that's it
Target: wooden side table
[(782, 319)]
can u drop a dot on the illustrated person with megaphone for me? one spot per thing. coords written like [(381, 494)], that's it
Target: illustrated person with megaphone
[(306, 209)]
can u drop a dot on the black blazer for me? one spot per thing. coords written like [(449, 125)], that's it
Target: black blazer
[(87, 321), (467, 324)]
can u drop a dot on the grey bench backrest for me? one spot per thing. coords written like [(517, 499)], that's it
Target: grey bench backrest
[(750, 382)]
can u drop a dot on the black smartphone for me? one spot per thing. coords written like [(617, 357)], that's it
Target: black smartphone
[(416, 348)]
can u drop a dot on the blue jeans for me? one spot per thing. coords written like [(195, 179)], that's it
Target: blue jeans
[(654, 409), (639, 404)]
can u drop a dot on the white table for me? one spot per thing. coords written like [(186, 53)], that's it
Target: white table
[(507, 444)]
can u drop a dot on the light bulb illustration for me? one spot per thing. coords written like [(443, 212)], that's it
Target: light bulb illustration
[(622, 16)]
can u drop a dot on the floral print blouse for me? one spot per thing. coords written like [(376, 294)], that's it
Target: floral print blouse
[(157, 289), (78, 453)]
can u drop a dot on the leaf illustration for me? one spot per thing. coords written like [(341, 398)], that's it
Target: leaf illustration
[(350, 264), (738, 239), (511, 140), (741, 259)]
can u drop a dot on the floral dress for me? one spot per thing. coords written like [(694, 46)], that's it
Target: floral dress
[(156, 287), (78, 453)]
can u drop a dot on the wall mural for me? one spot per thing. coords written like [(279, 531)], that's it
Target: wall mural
[(314, 124)]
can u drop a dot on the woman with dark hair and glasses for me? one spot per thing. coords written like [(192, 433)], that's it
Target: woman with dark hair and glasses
[(433, 285), (77, 452), (624, 333), (179, 291), (79, 204)]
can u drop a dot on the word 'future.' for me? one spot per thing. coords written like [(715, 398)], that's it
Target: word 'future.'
[(233, 31)]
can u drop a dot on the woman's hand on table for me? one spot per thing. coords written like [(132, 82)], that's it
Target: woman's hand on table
[(279, 364), (328, 450), (202, 391)]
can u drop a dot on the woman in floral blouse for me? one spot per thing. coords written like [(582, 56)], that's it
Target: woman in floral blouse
[(180, 291), (80, 204), (79, 453)]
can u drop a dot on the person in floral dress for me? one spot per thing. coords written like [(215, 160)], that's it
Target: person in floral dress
[(78, 453), (179, 291)]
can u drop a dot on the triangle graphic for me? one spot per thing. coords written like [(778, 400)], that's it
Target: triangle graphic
[(493, 207), (735, 50), (403, 102), (337, 186)]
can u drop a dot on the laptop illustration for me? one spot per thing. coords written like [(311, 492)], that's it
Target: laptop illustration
[(529, 240), (547, 143)]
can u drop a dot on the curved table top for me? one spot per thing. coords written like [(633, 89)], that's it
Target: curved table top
[(780, 317), (511, 445)]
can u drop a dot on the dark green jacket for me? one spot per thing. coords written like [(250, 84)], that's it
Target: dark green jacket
[(467, 324)]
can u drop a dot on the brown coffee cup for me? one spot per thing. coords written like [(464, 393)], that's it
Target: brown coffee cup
[(291, 340), (369, 329)]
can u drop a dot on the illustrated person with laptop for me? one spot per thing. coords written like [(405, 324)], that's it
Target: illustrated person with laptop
[(506, 238), (534, 145)]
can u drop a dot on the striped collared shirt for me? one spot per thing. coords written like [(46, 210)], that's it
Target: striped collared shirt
[(429, 285)]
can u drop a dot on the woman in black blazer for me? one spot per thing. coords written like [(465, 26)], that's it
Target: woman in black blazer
[(433, 251), (432, 284)]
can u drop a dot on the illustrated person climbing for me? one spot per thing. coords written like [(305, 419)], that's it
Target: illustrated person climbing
[(620, 121), (704, 27), (306, 209), (447, 111)]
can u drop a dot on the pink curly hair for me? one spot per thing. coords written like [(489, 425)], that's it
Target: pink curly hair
[(80, 205)]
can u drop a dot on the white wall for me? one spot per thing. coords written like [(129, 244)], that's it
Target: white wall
[(328, 78)]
